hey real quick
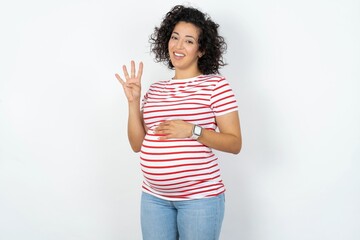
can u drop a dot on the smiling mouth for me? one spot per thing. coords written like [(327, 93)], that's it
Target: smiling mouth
[(179, 54)]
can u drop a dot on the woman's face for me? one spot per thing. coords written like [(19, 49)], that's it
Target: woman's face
[(184, 48)]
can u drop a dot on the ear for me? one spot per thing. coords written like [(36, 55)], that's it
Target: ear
[(200, 54)]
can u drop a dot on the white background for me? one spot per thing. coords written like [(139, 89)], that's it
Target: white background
[(67, 170)]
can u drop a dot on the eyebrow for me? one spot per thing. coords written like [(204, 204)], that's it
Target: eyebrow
[(185, 35)]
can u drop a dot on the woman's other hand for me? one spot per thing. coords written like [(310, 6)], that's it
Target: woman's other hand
[(174, 129), (132, 83)]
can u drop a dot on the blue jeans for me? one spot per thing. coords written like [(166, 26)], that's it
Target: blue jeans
[(185, 220)]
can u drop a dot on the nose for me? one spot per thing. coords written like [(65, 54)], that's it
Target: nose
[(179, 44)]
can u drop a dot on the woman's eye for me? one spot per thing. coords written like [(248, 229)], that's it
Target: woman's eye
[(173, 37)]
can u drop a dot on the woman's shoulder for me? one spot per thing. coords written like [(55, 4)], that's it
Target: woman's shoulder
[(212, 77), (159, 83)]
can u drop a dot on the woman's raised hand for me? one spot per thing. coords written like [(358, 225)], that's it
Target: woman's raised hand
[(132, 83)]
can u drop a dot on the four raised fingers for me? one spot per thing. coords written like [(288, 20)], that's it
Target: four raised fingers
[(132, 71)]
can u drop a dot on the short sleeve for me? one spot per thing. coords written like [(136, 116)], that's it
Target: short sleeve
[(223, 99)]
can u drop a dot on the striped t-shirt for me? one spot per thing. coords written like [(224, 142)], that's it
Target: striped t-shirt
[(181, 169)]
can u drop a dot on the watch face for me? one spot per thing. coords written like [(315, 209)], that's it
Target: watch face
[(197, 130)]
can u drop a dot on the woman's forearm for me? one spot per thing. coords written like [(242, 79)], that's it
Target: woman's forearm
[(228, 139), (225, 142), (136, 130)]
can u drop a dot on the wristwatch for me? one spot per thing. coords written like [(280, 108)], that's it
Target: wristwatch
[(196, 132)]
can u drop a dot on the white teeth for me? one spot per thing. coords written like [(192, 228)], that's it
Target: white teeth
[(179, 54)]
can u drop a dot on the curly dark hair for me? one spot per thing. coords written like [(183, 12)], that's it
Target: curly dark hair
[(210, 42)]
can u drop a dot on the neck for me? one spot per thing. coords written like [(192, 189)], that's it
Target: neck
[(186, 74)]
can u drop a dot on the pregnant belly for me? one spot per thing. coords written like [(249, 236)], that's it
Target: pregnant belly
[(176, 163)]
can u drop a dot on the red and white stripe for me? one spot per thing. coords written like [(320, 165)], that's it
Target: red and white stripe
[(180, 169)]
